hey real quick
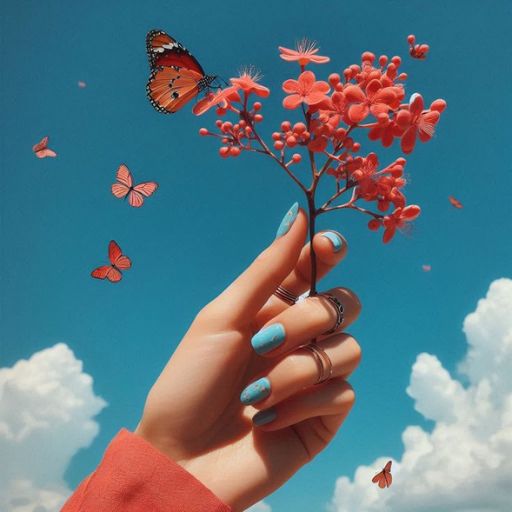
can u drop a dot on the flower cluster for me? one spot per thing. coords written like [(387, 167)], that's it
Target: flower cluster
[(367, 97)]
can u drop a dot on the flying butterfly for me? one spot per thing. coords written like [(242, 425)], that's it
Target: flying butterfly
[(125, 187), (41, 149), (176, 75), (455, 202), (118, 262), (383, 478)]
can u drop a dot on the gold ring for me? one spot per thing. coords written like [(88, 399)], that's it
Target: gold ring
[(323, 362)]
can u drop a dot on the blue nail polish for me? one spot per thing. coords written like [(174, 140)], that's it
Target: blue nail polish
[(268, 338), (288, 220), (256, 391), (337, 242), (264, 417)]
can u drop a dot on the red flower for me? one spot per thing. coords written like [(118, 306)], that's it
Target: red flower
[(377, 100), (305, 89), (385, 129), (398, 219), (304, 54), (224, 97), (417, 122), (249, 83)]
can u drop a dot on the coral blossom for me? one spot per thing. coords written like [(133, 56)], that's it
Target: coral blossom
[(224, 97), (249, 84), (398, 219), (377, 100), (304, 54), (306, 89)]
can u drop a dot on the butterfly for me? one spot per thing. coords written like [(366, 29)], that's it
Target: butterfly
[(426, 268), (125, 187), (41, 149), (455, 202), (176, 75), (118, 262), (383, 478)]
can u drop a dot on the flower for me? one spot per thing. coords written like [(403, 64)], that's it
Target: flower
[(223, 97), (248, 82), (306, 89), (377, 100), (417, 122), (304, 54), (398, 219)]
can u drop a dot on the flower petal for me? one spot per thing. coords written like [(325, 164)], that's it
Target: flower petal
[(290, 86), (408, 140), (292, 101), (354, 94), (357, 112)]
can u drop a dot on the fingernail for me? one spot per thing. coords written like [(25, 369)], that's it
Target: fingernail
[(288, 220), (336, 240), (264, 417), (256, 391), (268, 338)]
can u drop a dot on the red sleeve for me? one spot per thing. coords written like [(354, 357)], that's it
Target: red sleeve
[(135, 477)]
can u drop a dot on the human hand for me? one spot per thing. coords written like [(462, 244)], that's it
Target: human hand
[(194, 412)]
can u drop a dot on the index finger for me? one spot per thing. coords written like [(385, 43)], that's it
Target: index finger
[(239, 303)]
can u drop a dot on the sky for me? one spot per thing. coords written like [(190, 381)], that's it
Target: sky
[(190, 240)]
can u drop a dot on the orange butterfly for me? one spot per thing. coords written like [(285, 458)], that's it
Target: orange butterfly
[(118, 262), (125, 188), (383, 478), (455, 202), (41, 149), (176, 75)]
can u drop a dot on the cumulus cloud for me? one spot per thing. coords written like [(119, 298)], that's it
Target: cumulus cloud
[(465, 463), (47, 406)]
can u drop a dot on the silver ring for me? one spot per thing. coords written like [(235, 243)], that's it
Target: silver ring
[(338, 306), (286, 295), (323, 362)]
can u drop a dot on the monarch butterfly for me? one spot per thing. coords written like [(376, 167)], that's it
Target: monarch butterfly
[(125, 187), (176, 75), (118, 262), (41, 149), (383, 478), (455, 202)]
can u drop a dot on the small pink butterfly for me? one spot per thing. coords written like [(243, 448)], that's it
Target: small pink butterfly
[(81, 84), (383, 478), (125, 187), (426, 268), (41, 149)]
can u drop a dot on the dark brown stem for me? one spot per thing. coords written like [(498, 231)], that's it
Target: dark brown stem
[(312, 218)]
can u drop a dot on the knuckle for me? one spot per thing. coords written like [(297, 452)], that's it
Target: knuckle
[(350, 301), (355, 348), (345, 396)]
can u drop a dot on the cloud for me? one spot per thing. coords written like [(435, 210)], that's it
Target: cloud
[(261, 506), (47, 406), (465, 463)]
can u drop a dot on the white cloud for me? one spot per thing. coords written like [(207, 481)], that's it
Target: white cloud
[(47, 406), (465, 463), (261, 506)]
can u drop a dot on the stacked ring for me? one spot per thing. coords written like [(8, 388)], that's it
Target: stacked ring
[(323, 362)]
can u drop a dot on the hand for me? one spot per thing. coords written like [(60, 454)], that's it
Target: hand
[(194, 413)]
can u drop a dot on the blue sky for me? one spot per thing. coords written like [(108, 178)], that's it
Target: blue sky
[(210, 217)]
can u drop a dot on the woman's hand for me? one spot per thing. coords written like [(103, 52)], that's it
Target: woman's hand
[(194, 412)]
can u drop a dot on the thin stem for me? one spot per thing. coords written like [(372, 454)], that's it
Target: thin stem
[(312, 218)]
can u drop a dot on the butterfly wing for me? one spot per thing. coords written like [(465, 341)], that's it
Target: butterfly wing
[(378, 478), (42, 144), (135, 199), (388, 479), (116, 256), (124, 176), (163, 50), (147, 188), (101, 272), (119, 190), (169, 89), (387, 467), (43, 153)]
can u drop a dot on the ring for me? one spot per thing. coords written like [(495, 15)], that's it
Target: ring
[(323, 362), (285, 295), (338, 306)]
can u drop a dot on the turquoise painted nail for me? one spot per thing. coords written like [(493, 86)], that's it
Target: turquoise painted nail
[(268, 338), (336, 240), (288, 220), (264, 417), (256, 391)]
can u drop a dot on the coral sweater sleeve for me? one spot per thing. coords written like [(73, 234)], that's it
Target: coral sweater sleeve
[(135, 477)]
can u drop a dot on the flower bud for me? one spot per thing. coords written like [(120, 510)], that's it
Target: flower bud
[(334, 79), (411, 39), (257, 106), (368, 56), (374, 224), (296, 158), (279, 144), (291, 141), (258, 118), (224, 151), (383, 60), (234, 150), (203, 132), (276, 136), (438, 105), (286, 126), (299, 128)]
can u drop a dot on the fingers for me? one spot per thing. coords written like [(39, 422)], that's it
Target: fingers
[(240, 302), (308, 319), (330, 249), (299, 370), (334, 397)]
